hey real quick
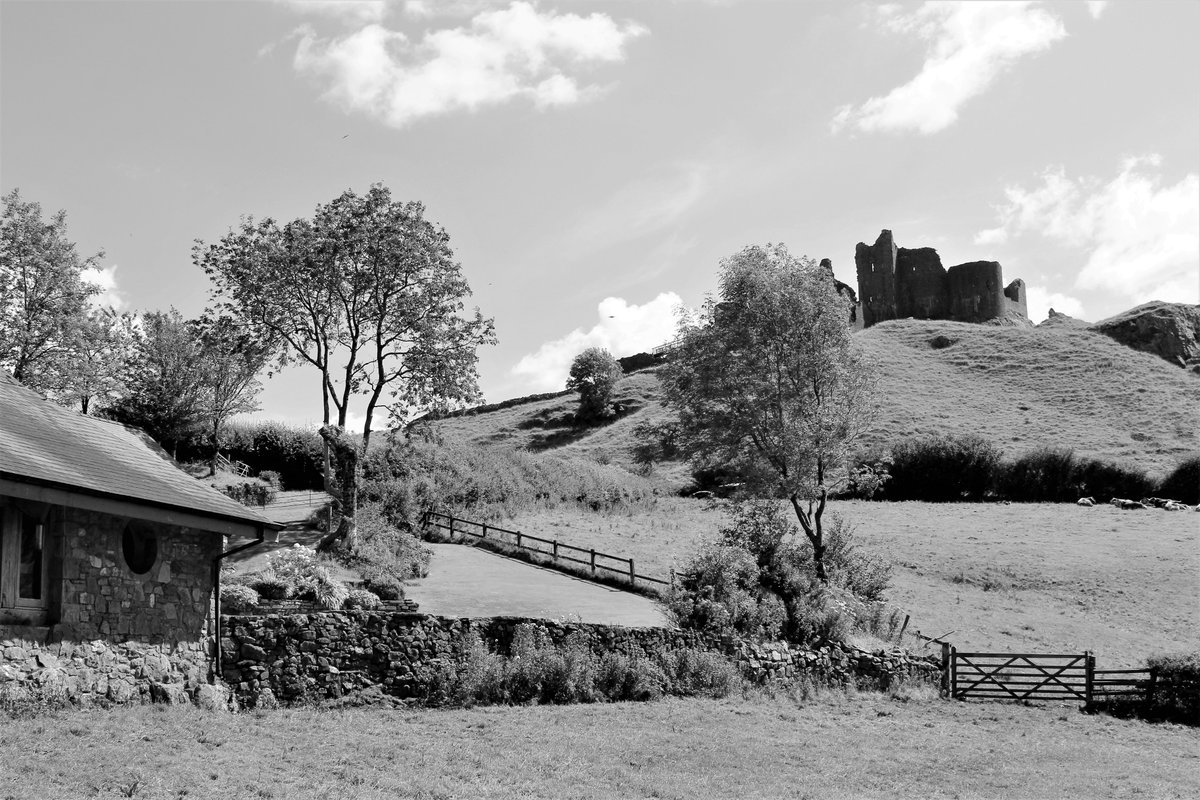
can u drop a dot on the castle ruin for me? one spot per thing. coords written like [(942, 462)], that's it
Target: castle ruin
[(898, 282)]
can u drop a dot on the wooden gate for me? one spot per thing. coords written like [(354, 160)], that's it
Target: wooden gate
[(1021, 676)]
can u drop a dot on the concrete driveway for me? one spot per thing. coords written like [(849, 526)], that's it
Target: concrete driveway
[(467, 581)]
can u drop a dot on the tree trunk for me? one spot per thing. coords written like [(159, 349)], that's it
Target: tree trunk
[(811, 524), (345, 453), (212, 466)]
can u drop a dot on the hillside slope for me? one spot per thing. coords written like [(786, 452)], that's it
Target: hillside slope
[(1019, 387)]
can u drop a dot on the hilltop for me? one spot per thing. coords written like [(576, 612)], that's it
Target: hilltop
[(1022, 388)]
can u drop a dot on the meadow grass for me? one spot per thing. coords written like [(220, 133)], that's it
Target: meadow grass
[(1021, 388), (863, 745), (1037, 577)]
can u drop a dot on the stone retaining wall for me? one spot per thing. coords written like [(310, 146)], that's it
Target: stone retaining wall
[(312, 657)]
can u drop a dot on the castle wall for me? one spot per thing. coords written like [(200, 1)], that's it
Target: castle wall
[(896, 283), (921, 289)]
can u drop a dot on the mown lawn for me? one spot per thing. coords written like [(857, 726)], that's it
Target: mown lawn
[(865, 745), (1040, 577)]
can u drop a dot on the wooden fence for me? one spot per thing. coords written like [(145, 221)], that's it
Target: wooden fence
[(1041, 676), (592, 559)]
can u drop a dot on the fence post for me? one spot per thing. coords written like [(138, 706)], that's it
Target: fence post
[(953, 671), (672, 577), (946, 688), (518, 539), (593, 552), (451, 527), (1151, 685), (1089, 676), (484, 526), (632, 574), (555, 549)]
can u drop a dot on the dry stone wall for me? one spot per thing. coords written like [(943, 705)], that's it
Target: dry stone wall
[(313, 657)]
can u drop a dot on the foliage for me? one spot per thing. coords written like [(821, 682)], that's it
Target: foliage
[(1183, 484), (1104, 480), (43, 295), (237, 598), (230, 359), (270, 586), (654, 443), (367, 280), (249, 493), (93, 369), (768, 380), (300, 569), (362, 599), (1177, 686), (947, 468), (271, 478), (164, 385), (385, 587), (29, 701), (381, 550), (1047, 474), (594, 373), (758, 580), (869, 476), (409, 476), (293, 453)]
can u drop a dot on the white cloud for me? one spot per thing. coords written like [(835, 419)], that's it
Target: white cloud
[(1096, 7), (1039, 300), (351, 11), (504, 54), (105, 278), (1141, 235), (623, 330), (970, 45)]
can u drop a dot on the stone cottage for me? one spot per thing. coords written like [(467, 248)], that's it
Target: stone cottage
[(109, 557)]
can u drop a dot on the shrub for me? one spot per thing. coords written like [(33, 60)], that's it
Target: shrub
[(237, 599), (271, 478), (1177, 688), (595, 373), (699, 672), (1183, 484), (294, 453), (1045, 475), (948, 468), (620, 677), (271, 587), (721, 594), (386, 587), (250, 493), (362, 599), (299, 568), (383, 549), (1104, 480), (868, 477)]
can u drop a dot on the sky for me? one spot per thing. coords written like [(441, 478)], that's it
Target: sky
[(593, 162)]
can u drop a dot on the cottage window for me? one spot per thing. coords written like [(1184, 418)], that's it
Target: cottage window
[(139, 544), (24, 557)]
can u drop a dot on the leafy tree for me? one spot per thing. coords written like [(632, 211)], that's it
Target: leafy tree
[(767, 380), (594, 372), (164, 385), (43, 296), (368, 293), (231, 357), (92, 370)]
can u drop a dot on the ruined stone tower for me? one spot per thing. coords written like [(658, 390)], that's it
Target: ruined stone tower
[(897, 282)]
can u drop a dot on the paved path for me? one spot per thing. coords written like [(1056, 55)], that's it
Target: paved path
[(471, 582)]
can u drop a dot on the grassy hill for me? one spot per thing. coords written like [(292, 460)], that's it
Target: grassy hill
[(1020, 387)]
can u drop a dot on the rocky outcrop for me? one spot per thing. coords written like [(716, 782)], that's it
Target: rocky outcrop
[(1059, 320), (1170, 331)]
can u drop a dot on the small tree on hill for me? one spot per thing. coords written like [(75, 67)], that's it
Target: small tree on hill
[(767, 381), (594, 372)]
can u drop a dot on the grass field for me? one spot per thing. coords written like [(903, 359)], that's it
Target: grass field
[(1021, 388), (834, 746), (1037, 577)]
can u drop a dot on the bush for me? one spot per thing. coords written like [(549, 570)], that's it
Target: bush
[(381, 549), (271, 587), (1104, 480), (1046, 475), (620, 677), (296, 454), (250, 493), (699, 673), (362, 599), (238, 599), (299, 568), (946, 469), (868, 477), (721, 593), (1177, 688), (271, 478), (386, 587), (1183, 484), (595, 373)]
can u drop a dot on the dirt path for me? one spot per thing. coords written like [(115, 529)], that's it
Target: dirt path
[(469, 582)]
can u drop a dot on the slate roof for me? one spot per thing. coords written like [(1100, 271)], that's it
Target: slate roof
[(43, 443)]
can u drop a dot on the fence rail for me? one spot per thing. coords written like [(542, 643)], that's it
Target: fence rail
[(239, 468), (595, 560), (1041, 676)]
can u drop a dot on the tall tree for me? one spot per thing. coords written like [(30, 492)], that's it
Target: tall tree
[(43, 296), (164, 387), (231, 356), (100, 351), (767, 380), (368, 293)]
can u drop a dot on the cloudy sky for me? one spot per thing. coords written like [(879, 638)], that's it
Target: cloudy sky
[(594, 161)]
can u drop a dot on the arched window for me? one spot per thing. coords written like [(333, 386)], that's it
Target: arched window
[(139, 545)]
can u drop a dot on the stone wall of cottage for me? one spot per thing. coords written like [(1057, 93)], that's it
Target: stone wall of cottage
[(313, 657), (115, 635)]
